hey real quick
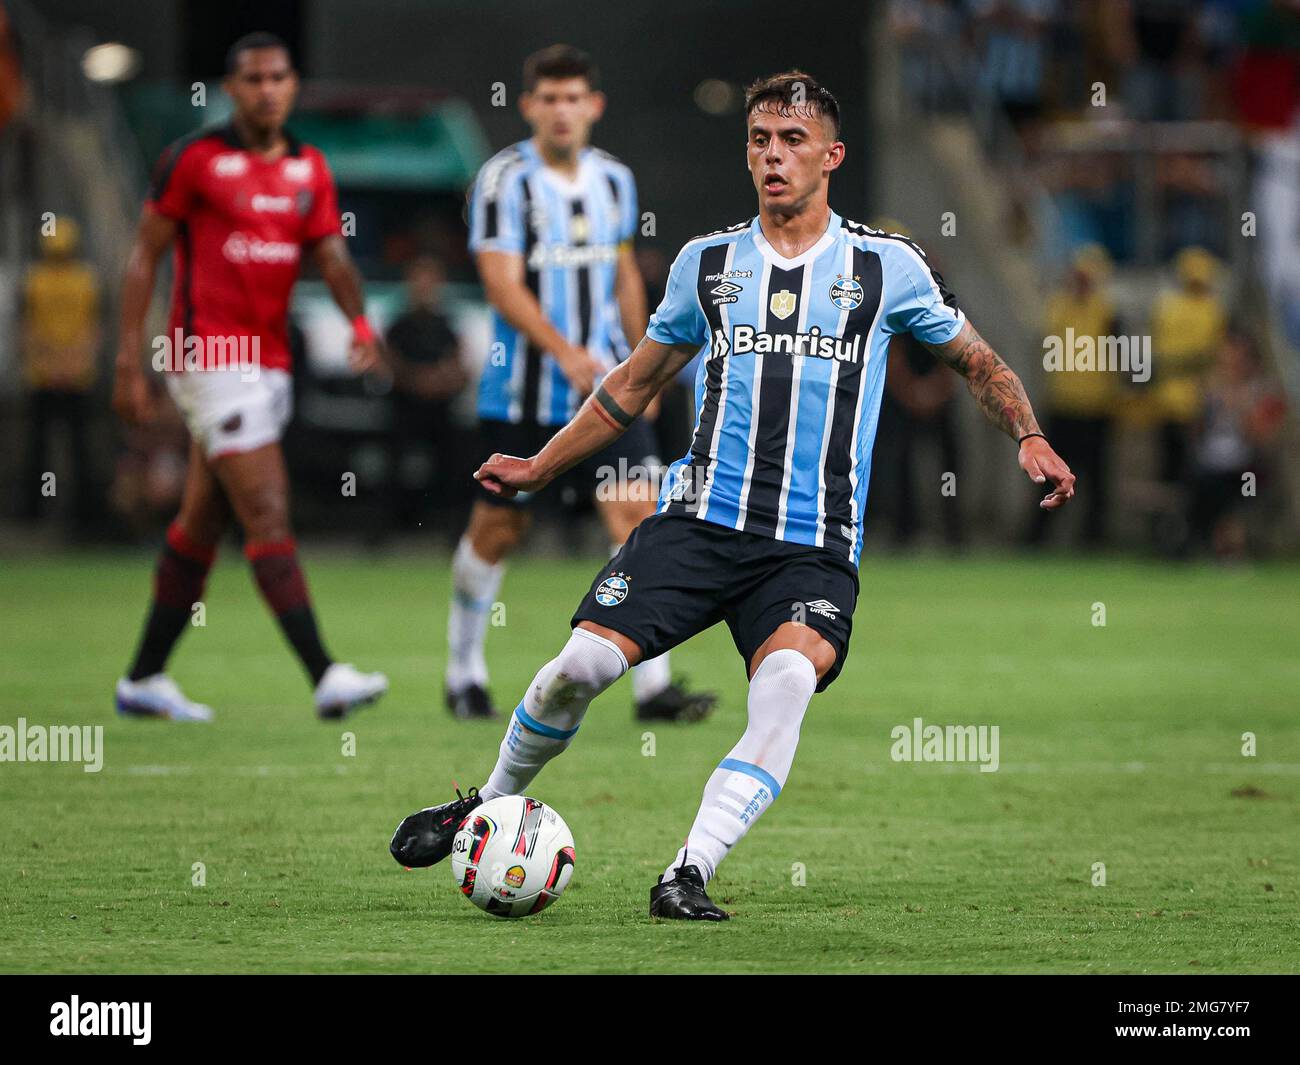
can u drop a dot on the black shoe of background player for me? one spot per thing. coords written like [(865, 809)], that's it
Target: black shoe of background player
[(470, 703), (683, 898), (425, 838), (675, 703)]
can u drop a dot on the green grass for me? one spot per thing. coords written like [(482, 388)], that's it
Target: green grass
[(1119, 744)]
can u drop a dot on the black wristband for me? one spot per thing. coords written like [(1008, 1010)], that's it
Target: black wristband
[(611, 408), (1028, 435)]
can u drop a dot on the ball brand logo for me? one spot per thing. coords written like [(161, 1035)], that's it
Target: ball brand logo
[(515, 876), (241, 248), (230, 164)]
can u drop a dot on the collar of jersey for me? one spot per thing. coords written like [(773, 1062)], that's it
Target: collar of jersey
[(572, 187), (772, 255), (229, 134)]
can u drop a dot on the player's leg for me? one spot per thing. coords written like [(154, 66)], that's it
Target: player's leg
[(179, 580), (793, 648), (257, 484), (664, 607), (626, 493), (495, 529)]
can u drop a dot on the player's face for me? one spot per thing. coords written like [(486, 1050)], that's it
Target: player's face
[(263, 87), (561, 112), (791, 157)]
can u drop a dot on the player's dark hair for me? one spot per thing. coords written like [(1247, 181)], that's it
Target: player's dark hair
[(559, 61), (251, 41), (793, 92)]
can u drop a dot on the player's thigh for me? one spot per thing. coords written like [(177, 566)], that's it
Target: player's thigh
[(667, 583), (625, 476), (256, 483), (205, 512), (803, 599)]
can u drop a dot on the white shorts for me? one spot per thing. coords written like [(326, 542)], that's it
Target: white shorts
[(226, 413)]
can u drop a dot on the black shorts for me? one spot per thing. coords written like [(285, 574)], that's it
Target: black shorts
[(678, 575), (634, 455)]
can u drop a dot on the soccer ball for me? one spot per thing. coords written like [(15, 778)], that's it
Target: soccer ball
[(513, 856)]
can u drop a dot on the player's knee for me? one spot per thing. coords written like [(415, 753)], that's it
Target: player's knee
[(265, 516), (801, 639), (586, 666)]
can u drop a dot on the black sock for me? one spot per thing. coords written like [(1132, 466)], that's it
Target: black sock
[(280, 579), (299, 628), (178, 584), (161, 631)]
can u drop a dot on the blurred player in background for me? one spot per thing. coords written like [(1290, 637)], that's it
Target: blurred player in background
[(239, 202), (552, 225), (760, 523), (61, 334)]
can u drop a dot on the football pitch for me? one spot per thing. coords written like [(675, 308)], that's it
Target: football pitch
[(1124, 830)]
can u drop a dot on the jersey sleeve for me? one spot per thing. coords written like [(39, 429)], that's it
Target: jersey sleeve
[(172, 187), (921, 304), (628, 210), (678, 319), (323, 218), (496, 209)]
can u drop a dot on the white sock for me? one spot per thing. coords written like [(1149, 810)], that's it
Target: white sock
[(475, 583), (546, 719), (651, 677), (750, 778)]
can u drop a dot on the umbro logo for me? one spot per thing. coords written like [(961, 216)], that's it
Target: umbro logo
[(824, 607), (725, 293)]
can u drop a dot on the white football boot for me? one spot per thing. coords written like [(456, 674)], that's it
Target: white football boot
[(158, 696), (343, 689)]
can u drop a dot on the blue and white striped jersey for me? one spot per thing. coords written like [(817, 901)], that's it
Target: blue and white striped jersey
[(789, 389), (569, 234)]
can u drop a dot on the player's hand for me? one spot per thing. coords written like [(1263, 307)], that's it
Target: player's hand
[(506, 476), (132, 397), (578, 365), (1045, 466), (364, 355)]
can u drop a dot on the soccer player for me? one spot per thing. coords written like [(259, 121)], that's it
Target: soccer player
[(551, 224), (240, 203), (760, 524)]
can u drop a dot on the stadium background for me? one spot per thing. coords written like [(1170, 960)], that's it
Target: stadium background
[(1122, 739), (974, 125)]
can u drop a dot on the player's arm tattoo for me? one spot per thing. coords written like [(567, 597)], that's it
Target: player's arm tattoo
[(607, 407), (991, 381)]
